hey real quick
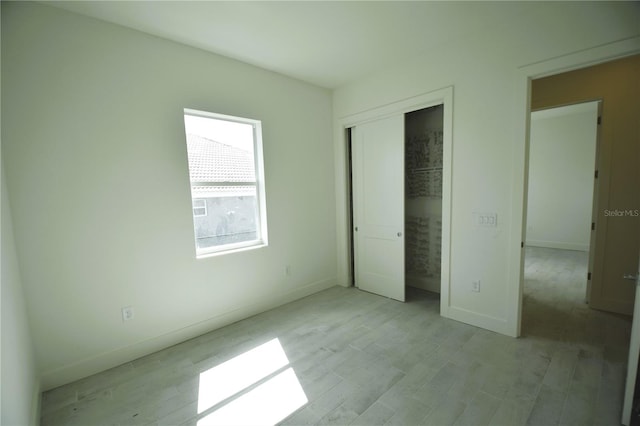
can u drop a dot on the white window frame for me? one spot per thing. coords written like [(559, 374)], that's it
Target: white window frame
[(261, 214), (203, 206)]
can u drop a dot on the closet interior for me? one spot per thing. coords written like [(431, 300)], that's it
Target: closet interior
[(423, 197)]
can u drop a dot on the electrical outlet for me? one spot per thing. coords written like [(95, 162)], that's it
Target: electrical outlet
[(475, 286), (127, 313)]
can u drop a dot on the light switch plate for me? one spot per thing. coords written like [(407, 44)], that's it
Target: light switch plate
[(485, 220)]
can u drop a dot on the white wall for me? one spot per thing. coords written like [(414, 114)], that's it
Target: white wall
[(95, 153), (484, 71), (19, 375), (20, 386), (561, 166)]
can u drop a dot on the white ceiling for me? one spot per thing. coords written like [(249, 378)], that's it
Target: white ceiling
[(324, 43)]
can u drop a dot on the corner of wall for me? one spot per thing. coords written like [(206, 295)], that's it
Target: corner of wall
[(21, 404), (36, 404)]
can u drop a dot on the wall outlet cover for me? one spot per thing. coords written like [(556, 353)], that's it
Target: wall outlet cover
[(127, 313)]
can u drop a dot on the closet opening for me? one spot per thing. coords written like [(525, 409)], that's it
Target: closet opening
[(423, 197)]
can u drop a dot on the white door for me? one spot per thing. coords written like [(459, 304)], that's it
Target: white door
[(634, 353), (378, 206)]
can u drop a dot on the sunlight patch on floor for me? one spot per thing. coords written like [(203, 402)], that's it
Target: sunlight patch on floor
[(267, 403)]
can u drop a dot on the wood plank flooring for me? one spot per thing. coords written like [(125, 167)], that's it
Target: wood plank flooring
[(365, 360)]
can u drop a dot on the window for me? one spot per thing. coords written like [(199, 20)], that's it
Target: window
[(227, 184), (199, 208)]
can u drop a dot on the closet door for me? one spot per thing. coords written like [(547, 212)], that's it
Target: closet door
[(378, 204)]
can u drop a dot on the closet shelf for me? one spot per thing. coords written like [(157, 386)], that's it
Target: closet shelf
[(429, 197), (426, 169)]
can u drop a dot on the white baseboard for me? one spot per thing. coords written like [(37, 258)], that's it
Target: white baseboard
[(487, 322), (36, 404), (104, 361)]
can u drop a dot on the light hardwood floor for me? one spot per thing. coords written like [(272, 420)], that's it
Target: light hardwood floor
[(364, 359)]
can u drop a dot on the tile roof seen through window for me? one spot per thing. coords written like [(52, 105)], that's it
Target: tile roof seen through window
[(212, 161)]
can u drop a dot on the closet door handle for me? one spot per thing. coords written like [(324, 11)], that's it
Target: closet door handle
[(399, 234)]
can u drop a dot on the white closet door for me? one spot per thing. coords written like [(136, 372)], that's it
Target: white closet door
[(378, 203)]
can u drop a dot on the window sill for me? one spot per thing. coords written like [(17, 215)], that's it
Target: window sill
[(240, 249)]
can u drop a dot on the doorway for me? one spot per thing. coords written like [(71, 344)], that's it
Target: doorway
[(562, 188), (560, 211), (613, 224)]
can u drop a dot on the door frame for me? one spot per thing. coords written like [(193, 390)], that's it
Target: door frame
[(595, 204), (520, 171), (443, 97)]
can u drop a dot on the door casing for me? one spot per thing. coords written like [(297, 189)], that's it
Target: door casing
[(522, 101)]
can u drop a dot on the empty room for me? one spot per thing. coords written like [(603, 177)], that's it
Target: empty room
[(342, 213)]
